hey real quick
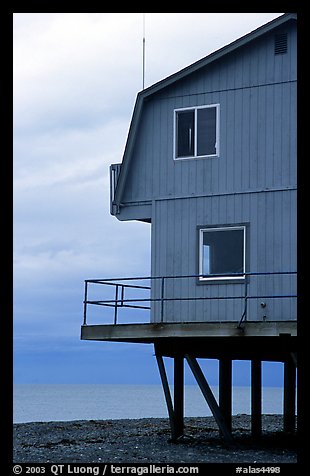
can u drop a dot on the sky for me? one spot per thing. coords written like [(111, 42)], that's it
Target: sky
[(75, 81)]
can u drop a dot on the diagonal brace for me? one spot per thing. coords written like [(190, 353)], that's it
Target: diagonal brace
[(165, 384), (207, 393)]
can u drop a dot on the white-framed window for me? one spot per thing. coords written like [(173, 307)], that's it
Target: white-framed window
[(196, 132), (222, 253)]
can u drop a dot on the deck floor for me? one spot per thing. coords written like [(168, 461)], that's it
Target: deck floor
[(148, 333)]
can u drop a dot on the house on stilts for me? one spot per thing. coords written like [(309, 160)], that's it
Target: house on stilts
[(210, 162)]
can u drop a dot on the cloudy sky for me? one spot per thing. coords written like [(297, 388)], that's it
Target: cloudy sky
[(76, 77)]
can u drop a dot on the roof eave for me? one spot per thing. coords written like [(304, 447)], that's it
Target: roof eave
[(129, 147), (239, 42)]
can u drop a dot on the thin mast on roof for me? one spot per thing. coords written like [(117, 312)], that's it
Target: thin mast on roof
[(143, 52)]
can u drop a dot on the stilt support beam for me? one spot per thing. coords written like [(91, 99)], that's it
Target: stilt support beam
[(207, 393), (256, 398), (179, 395), (289, 400), (225, 390)]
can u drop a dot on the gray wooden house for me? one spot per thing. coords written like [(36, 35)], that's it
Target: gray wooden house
[(210, 162)]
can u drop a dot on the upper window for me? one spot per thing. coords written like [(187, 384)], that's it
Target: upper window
[(196, 132), (222, 253)]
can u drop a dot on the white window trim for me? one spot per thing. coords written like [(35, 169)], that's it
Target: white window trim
[(214, 277), (217, 144)]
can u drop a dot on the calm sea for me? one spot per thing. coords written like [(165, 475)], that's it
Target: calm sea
[(85, 402)]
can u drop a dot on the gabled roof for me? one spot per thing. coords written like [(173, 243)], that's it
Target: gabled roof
[(155, 88)]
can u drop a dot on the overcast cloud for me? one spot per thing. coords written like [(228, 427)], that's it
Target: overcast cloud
[(76, 77)]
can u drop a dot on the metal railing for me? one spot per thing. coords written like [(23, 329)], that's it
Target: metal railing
[(123, 285)]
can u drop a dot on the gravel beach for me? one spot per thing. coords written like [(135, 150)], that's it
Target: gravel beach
[(147, 441)]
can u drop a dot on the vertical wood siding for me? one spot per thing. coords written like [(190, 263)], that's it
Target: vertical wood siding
[(252, 182), (270, 219), (256, 91)]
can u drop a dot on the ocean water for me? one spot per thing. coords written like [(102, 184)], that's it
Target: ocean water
[(100, 402)]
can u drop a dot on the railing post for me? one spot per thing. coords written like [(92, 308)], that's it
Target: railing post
[(85, 303), (246, 298), (116, 304), (244, 314), (122, 295), (162, 299)]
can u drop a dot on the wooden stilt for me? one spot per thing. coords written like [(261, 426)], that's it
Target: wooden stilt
[(179, 395), (289, 400), (207, 393), (256, 397), (225, 390)]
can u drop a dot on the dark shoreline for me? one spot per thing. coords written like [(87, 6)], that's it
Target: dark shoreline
[(147, 441)]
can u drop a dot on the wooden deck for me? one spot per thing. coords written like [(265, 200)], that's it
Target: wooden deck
[(150, 333), (225, 341)]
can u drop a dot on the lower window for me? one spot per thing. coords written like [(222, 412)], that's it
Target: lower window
[(222, 253)]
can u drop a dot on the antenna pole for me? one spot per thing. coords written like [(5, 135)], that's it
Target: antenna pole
[(143, 52)]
